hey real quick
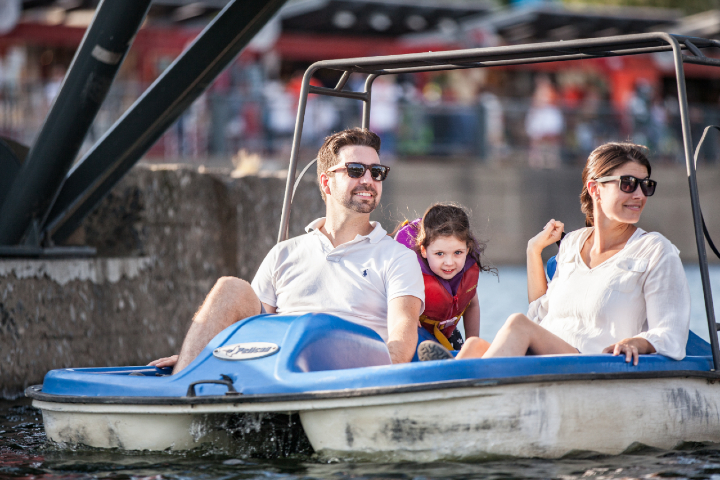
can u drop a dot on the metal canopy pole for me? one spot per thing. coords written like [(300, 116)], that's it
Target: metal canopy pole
[(163, 103), (294, 154), (509, 55), (695, 200), (431, 61), (305, 90), (106, 42), (366, 106)]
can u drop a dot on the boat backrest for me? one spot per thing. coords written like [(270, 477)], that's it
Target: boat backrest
[(697, 347), (322, 342)]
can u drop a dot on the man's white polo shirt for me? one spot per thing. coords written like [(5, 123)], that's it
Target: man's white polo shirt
[(354, 281)]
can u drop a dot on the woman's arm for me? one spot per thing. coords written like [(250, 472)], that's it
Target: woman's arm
[(667, 307), (667, 302), (537, 283), (471, 318)]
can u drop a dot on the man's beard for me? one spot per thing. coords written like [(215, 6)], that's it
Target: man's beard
[(358, 206)]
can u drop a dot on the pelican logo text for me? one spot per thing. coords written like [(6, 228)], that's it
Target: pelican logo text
[(246, 351)]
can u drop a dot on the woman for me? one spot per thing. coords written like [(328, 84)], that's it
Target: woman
[(617, 289)]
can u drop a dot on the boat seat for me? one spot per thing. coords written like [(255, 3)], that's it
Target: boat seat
[(550, 267)]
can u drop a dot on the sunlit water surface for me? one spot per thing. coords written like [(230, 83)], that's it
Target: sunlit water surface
[(25, 453), (507, 293)]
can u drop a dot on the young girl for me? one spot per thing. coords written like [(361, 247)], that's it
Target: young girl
[(449, 257)]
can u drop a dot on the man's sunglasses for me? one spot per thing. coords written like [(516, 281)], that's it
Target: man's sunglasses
[(629, 184), (357, 170)]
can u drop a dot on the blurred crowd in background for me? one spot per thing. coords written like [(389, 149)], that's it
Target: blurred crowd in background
[(544, 119)]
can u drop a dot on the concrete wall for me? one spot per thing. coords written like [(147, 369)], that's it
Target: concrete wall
[(164, 235)]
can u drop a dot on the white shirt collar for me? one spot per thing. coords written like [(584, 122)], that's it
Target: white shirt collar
[(375, 236)]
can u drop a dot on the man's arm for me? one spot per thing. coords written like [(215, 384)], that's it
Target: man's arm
[(268, 308), (403, 315)]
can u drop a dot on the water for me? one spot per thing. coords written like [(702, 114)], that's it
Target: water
[(24, 452), (500, 299)]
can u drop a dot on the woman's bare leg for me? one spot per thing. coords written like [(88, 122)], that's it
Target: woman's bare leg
[(517, 337), (229, 301), (520, 336)]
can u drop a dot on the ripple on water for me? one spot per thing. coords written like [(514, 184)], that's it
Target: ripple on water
[(24, 453)]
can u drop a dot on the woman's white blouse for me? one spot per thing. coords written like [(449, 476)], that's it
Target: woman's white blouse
[(639, 292)]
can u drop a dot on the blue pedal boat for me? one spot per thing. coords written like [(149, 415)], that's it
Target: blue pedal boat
[(352, 402)]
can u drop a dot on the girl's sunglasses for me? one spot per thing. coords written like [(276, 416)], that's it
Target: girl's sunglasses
[(629, 184), (357, 170)]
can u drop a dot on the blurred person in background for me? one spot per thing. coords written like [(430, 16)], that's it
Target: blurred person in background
[(544, 125), (385, 113)]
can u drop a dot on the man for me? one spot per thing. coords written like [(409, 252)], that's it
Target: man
[(345, 265)]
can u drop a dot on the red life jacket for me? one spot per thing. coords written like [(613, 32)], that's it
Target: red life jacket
[(443, 310)]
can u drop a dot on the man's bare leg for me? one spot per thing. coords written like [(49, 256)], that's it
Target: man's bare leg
[(519, 336), (229, 301)]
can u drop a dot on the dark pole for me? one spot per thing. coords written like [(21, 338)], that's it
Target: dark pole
[(86, 84), (366, 106), (695, 200), (163, 103), (295, 154), (12, 155)]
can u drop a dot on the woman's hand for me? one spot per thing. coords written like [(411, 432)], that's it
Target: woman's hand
[(164, 362), (537, 284), (550, 234), (632, 348)]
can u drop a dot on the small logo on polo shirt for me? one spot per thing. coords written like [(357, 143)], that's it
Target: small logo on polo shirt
[(365, 273)]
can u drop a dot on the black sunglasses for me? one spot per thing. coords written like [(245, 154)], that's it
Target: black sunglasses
[(629, 184), (357, 170)]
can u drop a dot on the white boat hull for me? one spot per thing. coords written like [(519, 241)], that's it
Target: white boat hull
[(142, 427), (526, 420), (128, 431)]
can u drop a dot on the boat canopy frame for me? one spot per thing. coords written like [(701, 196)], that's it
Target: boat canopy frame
[(684, 49)]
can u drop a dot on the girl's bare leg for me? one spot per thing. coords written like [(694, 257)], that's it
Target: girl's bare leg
[(474, 347)]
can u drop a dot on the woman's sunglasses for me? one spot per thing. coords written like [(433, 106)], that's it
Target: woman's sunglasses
[(629, 184), (357, 170)]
